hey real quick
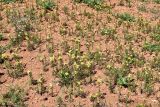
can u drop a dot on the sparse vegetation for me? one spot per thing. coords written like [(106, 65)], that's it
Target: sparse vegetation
[(79, 53)]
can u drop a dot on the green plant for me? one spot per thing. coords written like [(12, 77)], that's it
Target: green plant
[(128, 36), (108, 32), (33, 42), (97, 4), (41, 89), (151, 47), (60, 102), (142, 8), (157, 1), (119, 76), (147, 77), (8, 1), (31, 80), (15, 70), (156, 33), (14, 97), (1, 37), (22, 26), (65, 76), (155, 64), (126, 17), (97, 99), (46, 4)]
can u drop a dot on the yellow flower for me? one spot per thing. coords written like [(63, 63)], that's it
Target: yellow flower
[(76, 65), (51, 85), (66, 73), (89, 63), (5, 56), (52, 58), (108, 66), (99, 81)]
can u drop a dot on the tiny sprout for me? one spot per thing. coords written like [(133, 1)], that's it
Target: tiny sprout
[(51, 89), (52, 58), (29, 73), (41, 89), (30, 76)]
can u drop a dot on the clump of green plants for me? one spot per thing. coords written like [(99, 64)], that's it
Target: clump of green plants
[(97, 4), (40, 85), (32, 81), (60, 102), (46, 4), (151, 47), (131, 58), (155, 64), (144, 25), (11, 1), (126, 17), (97, 99), (128, 36), (22, 26), (156, 33), (79, 66), (1, 37), (44, 62), (146, 76), (33, 42), (157, 1), (109, 32), (142, 8), (15, 68), (14, 97), (119, 76)]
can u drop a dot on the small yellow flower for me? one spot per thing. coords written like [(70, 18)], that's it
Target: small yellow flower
[(99, 81), (51, 85), (52, 58), (108, 66), (66, 73), (89, 63), (76, 65), (5, 56)]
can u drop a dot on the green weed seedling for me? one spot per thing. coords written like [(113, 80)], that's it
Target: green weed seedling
[(155, 64), (126, 17), (8, 1), (156, 33), (60, 102), (41, 89), (1, 37), (97, 99), (109, 32), (31, 80), (142, 8), (15, 70), (46, 4), (96, 4), (44, 62), (151, 47), (65, 76), (33, 42), (157, 1), (22, 26), (147, 77), (128, 36), (14, 97)]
